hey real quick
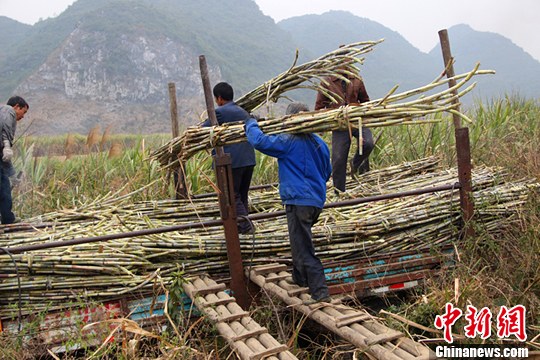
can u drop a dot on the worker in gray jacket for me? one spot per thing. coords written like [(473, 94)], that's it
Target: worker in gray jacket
[(14, 111)]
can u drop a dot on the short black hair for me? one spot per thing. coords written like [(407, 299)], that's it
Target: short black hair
[(17, 100), (223, 90)]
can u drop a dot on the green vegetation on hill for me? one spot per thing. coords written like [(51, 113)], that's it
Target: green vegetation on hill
[(241, 45), (395, 61), (247, 46), (12, 31), (12, 72), (517, 71)]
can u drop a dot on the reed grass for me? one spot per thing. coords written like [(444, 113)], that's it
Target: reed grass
[(495, 268), (93, 138)]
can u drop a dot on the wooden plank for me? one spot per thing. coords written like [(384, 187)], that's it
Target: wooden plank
[(276, 278), (358, 335), (268, 352), (386, 337), (270, 268), (232, 317), (209, 289), (297, 291), (217, 302), (250, 333), (355, 318)]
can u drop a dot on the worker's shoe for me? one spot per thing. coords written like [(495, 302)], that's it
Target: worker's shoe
[(354, 168), (311, 301), (246, 229)]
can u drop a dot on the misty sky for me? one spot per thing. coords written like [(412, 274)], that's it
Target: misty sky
[(417, 20)]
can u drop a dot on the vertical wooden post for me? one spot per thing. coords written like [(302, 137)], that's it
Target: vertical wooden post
[(463, 147), (223, 168), (180, 188)]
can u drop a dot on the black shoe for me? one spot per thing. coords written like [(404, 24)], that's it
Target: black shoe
[(354, 169), (246, 230)]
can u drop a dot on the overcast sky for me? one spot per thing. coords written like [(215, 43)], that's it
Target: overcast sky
[(417, 20)]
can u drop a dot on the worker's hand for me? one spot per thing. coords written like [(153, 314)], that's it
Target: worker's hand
[(255, 116), (7, 153), (250, 120)]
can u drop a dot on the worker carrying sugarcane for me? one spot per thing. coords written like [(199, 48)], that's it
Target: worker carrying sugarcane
[(14, 111), (349, 89), (242, 155), (304, 168)]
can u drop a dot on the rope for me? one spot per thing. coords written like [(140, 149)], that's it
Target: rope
[(245, 218), (360, 137)]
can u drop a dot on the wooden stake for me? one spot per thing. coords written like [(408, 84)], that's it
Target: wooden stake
[(178, 175)]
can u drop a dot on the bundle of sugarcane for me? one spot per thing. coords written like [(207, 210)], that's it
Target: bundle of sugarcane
[(122, 217), (112, 206), (393, 109), (340, 63), (115, 268), (117, 212)]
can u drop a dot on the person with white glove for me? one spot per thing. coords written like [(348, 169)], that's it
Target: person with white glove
[(14, 111), (7, 152)]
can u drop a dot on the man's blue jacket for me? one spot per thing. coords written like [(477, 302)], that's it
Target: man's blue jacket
[(303, 164), (241, 154)]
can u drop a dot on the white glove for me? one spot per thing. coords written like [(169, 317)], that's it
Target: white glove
[(7, 153)]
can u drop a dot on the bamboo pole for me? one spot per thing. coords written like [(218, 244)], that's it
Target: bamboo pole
[(180, 188), (226, 196), (463, 148)]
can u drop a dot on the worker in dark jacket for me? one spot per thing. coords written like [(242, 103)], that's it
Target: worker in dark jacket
[(242, 155), (351, 92), (304, 168), (14, 111)]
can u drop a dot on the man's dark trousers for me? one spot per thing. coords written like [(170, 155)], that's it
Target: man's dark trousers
[(341, 143), (6, 202), (307, 268)]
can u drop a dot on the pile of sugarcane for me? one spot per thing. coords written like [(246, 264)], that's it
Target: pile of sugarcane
[(57, 277)]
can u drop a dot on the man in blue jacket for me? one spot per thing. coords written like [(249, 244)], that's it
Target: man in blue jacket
[(304, 168), (242, 155)]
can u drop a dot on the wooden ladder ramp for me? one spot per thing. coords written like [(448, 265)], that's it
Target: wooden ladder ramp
[(354, 325), (247, 338)]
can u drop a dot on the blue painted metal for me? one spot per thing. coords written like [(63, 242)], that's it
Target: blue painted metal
[(381, 267), (152, 307)]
